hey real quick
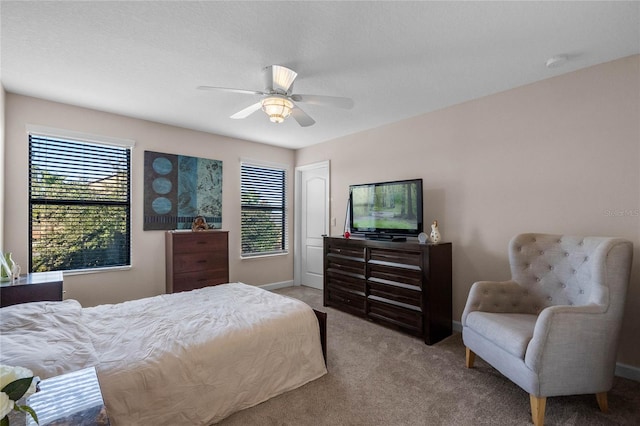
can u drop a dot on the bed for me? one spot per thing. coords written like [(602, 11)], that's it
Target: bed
[(184, 358)]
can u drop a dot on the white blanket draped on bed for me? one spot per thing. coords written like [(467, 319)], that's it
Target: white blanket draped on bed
[(185, 358)]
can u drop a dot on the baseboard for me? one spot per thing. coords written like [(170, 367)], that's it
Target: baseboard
[(628, 371), (622, 370), (274, 286)]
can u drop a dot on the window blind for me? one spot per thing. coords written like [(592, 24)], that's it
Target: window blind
[(79, 205), (263, 210)]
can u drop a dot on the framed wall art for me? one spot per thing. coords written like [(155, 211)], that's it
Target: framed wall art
[(178, 188)]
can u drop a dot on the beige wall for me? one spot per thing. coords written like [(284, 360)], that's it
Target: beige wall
[(559, 156), (146, 277)]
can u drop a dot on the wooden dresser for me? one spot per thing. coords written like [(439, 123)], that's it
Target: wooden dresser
[(196, 259), (404, 285), (33, 287)]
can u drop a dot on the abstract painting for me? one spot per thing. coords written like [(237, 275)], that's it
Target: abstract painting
[(177, 188)]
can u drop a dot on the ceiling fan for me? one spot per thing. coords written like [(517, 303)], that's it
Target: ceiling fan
[(278, 101)]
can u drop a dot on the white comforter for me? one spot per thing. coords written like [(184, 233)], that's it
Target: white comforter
[(187, 358)]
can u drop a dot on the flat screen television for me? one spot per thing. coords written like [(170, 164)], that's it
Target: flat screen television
[(386, 209)]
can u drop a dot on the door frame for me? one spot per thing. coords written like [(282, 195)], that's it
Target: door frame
[(297, 239)]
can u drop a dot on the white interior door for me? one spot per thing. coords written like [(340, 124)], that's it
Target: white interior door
[(312, 207)]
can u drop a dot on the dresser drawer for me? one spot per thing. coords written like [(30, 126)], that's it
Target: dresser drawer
[(398, 314), (196, 242), (199, 261), (393, 272), (347, 264), (337, 278), (346, 300), (198, 279), (398, 292), (347, 251), (401, 257)]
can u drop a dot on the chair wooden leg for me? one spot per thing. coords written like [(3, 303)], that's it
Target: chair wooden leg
[(538, 405), (602, 402), (471, 357)]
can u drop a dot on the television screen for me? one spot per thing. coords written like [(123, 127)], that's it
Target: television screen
[(391, 208)]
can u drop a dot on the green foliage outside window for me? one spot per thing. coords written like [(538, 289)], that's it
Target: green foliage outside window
[(262, 229), (79, 206)]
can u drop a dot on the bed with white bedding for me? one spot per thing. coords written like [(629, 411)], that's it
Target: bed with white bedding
[(184, 358)]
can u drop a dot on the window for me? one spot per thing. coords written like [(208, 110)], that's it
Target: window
[(79, 204), (263, 210)]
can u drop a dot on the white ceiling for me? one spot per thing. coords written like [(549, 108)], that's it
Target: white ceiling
[(394, 59)]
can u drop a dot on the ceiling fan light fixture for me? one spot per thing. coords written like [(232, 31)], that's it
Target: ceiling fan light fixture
[(278, 100), (278, 108)]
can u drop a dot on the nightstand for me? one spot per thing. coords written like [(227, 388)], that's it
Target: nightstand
[(34, 287)]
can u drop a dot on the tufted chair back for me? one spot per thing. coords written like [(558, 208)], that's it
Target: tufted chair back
[(564, 270)]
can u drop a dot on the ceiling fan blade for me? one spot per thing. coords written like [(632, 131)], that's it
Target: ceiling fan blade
[(247, 111), (335, 101), (228, 89), (279, 79), (301, 117)]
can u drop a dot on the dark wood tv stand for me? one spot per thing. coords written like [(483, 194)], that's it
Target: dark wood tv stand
[(404, 285)]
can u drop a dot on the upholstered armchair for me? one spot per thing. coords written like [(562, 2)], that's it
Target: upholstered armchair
[(553, 329)]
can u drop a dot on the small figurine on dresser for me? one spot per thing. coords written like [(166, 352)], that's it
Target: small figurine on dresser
[(199, 224), (15, 272), (435, 233)]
